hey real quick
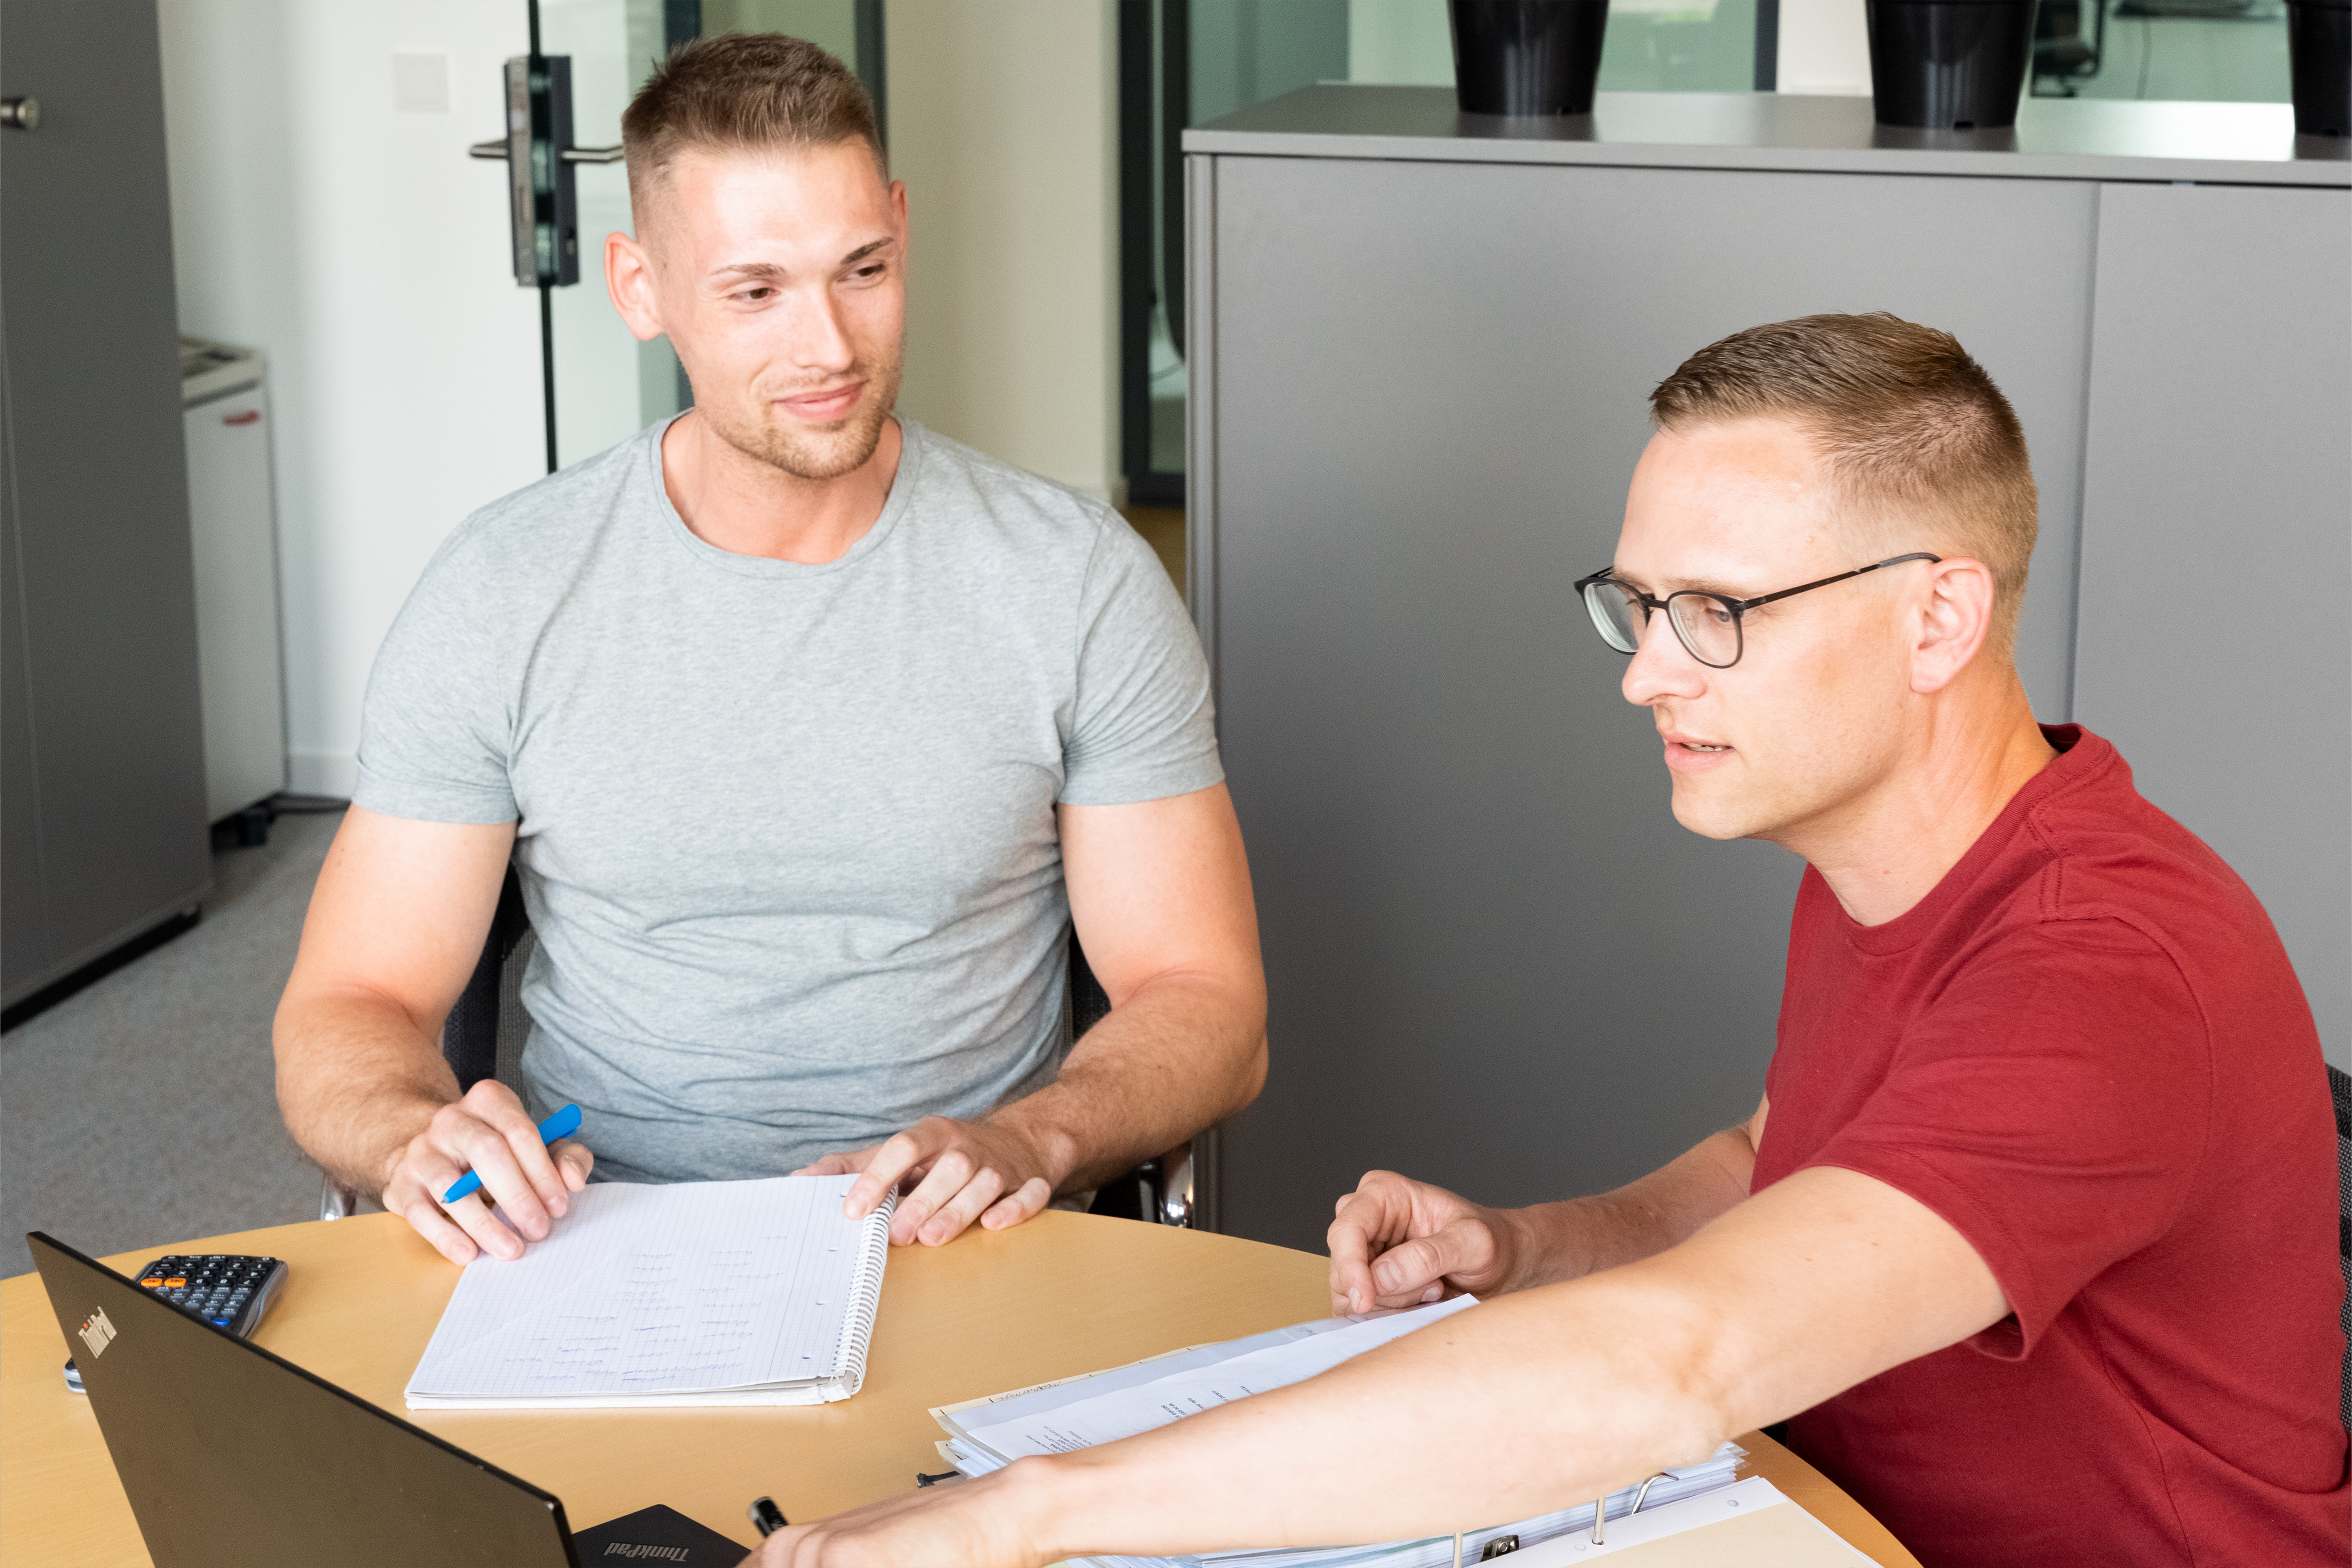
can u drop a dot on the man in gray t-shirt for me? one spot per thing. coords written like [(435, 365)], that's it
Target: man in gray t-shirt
[(810, 733)]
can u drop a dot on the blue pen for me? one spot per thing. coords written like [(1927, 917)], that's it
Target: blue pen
[(562, 1124)]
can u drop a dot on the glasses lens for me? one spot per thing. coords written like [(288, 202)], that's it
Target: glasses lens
[(1615, 614), (1707, 627)]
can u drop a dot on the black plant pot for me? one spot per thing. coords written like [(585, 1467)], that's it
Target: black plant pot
[(1526, 57), (1949, 65), (2319, 66)]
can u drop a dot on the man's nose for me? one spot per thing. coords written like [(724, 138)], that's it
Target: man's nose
[(1661, 666), (818, 340)]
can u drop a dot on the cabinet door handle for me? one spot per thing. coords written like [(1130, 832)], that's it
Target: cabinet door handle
[(250, 416), (20, 114)]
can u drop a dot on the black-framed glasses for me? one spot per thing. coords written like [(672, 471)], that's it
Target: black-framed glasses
[(1708, 624)]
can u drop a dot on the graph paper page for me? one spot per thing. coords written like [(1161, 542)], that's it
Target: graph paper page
[(646, 1290)]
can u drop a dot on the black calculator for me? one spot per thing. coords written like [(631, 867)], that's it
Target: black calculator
[(228, 1292)]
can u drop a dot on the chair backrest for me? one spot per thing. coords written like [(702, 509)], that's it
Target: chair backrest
[(2340, 1087), (484, 1035), (1089, 1004)]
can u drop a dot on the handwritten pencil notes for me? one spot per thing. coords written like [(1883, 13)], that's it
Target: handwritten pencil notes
[(702, 1293), (988, 1433)]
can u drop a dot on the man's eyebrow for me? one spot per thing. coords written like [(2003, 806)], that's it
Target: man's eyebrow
[(1666, 585), (775, 269), (1703, 586)]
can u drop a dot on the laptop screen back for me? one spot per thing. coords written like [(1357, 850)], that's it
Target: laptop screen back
[(235, 1459)]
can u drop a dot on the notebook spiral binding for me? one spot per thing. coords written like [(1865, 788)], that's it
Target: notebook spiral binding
[(864, 1298)]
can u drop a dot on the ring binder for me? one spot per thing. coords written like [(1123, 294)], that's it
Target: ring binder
[(1601, 1507), (986, 1434)]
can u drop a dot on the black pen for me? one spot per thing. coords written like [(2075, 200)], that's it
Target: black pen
[(766, 1516)]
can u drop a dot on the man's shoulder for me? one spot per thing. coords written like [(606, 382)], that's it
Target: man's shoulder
[(1027, 509), (2098, 868), (541, 529), (2106, 846)]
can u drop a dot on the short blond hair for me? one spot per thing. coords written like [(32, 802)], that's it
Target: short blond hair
[(1911, 429), (743, 93)]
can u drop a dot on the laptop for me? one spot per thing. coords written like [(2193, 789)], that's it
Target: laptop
[(234, 1457)]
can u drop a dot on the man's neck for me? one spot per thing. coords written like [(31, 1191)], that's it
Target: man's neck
[(1887, 851), (732, 500)]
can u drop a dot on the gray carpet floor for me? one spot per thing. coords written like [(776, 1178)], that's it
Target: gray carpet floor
[(142, 1111)]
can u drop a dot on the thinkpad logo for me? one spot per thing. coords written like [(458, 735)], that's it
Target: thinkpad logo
[(96, 1332), (661, 1554)]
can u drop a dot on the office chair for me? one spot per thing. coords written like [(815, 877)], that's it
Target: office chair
[(486, 1030), (2340, 1087)]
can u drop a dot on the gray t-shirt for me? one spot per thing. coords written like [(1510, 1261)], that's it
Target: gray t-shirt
[(786, 832)]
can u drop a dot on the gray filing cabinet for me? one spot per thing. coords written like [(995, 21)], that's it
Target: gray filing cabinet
[(1419, 345)]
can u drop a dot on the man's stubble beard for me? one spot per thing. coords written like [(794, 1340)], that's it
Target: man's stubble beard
[(807, 453)]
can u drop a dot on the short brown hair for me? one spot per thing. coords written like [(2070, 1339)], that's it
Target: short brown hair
[(743, 91), (1911, 429)]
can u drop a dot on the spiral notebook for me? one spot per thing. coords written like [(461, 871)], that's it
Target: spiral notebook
[(700, 1294)]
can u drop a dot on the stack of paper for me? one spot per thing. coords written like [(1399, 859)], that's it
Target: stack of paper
[(698, 1293), (990, 1434)]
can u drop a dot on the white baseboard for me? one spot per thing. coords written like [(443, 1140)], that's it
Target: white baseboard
[(322, 773)]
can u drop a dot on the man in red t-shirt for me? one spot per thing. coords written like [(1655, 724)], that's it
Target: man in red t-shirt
[(2031, 1237)]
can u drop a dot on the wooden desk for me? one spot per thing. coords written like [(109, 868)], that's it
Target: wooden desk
[(994, 1311)]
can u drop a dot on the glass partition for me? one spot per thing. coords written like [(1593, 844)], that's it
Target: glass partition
[(2211, 51), (1651, 46)]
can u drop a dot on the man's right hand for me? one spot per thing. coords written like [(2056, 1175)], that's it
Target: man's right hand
[(1398, 1243), (486, 1131)]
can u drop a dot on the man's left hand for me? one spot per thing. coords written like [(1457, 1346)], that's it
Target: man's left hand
[(960, 1170)]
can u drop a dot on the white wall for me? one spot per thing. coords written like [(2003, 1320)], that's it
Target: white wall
[(1824, 48), (1004, 126), (359, 248)]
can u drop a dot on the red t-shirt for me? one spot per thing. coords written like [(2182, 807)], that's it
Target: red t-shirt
[(2086, 1049)]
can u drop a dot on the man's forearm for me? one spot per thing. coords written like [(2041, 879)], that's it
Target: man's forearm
[(1541, 1399), (1567, 1241), (357, 1079), (1182, 1052), (1522, 1406)]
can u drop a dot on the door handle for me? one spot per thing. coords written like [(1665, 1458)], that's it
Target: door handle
[(543, 187), (250, 416), (20, 114), (496, 152)]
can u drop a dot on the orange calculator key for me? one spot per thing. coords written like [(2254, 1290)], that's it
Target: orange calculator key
[(152, 1283), (174, 1284)]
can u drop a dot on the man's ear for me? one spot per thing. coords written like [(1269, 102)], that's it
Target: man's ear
[(1955, 617), (629, 278)]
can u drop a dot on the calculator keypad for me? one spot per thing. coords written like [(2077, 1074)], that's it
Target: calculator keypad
[(221, 1290)]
